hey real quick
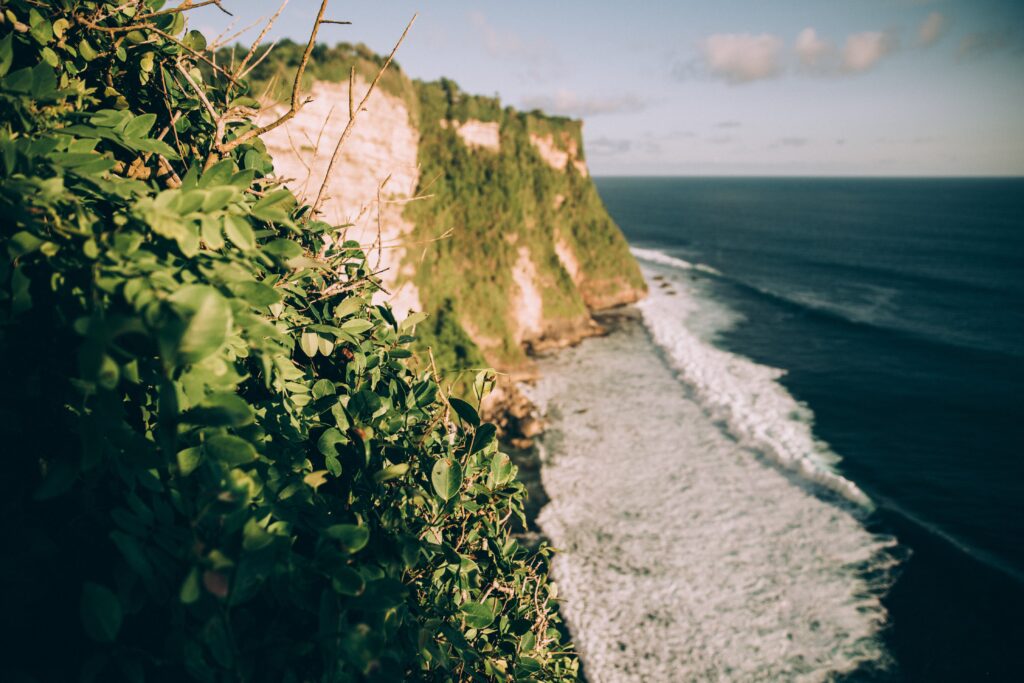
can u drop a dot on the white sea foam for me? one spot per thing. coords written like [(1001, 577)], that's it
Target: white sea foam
[(655, 256), (745, 395), (683, 556)]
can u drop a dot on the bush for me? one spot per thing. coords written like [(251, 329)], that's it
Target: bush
[(218, 466)]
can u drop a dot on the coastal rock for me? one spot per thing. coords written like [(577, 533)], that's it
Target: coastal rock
[(521, 277)]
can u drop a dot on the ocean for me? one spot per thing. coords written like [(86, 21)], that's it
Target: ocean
[(802, 460)]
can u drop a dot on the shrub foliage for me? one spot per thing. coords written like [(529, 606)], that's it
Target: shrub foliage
[(217, 464)]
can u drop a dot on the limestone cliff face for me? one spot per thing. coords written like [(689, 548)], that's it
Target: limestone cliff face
[(480, 214), (375, 176)]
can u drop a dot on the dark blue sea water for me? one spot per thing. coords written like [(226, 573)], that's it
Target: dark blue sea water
[(896, 308)]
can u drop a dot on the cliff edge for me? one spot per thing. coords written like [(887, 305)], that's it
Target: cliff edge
[(483, 216)]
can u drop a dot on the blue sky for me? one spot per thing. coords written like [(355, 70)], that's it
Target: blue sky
[(735, 87)]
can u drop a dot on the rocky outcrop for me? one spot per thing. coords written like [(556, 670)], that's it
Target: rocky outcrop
[(540, 284), (478, 134), (559, 154)]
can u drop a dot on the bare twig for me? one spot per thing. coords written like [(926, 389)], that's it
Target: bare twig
[(224, 38), (258, 60), (378, 242), (352, 118), (198, 55), (296, 104), (351, 91), (184, 7), (270, 22), (199, 91)]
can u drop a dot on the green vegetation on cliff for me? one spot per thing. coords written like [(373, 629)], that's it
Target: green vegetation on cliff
[(218, 466), (497, 203), (500, 202)]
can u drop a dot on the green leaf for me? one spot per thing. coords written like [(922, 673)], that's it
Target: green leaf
[(189, 592), (483, 437), (391, 472), (330, 440), (41, 29), (478, 615), (352, 537), (275, 206), (465, 411), (206, 321), (87, 51), (154, 146), (23, 243), (139, 126), (357, 326), (195, 40), (365, 405), (446, 476), (210, 231), (483, 384), (239, 232), (109, 373), (527, 667), (217, 198), (218, 174), (6, 54), (315, 479), (323, 388), (100, 611), (220, 410), (189, 459), (254, 536), (60, 26), (425, 393), (348, 307), (309, 343), (256, 293), (19, 81), (110, 118), (230, 449), (283, 249), (411, 321), (347, 581), (501, 472)]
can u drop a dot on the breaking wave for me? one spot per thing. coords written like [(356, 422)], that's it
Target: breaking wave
[(682, 556), (746, 396)]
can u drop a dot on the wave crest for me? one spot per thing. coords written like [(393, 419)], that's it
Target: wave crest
[(746, 396)]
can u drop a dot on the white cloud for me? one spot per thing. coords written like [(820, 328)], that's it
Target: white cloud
[(931, 29), (863, 50), (569, 103), (742, 57), (810, 48)]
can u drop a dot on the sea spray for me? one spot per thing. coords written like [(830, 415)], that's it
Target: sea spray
[(745, 395), (683, 557)]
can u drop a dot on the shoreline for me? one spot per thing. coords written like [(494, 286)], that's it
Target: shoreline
[(613, 509)]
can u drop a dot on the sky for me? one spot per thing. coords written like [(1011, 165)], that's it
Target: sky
[(734, 87)]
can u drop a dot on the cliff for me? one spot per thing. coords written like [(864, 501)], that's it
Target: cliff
[(481, 215)]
